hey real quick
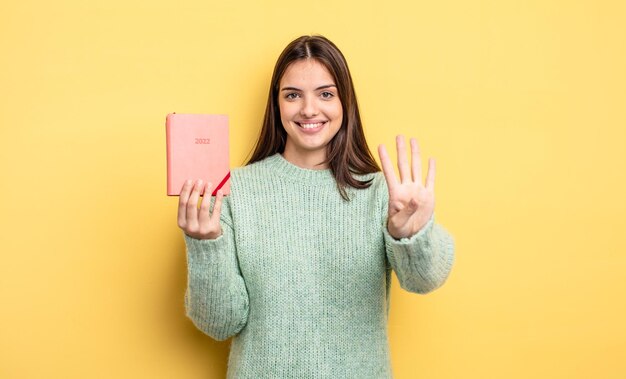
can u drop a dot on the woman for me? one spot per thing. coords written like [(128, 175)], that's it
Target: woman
[(295, 263)]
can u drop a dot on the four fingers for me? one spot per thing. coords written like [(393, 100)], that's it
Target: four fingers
[(430, 176), (182, 203), (403, 166), (415, 173), (416, 161), (204, 213), (192, 205), (217, 207), (388, 170), (194, 218)]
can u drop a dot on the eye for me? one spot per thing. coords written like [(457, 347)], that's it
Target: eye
[(327, 95), (291, 96)]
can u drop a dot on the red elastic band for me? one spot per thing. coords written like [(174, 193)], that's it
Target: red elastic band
[(221, 184)]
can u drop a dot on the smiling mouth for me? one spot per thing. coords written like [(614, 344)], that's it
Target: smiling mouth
[(312, 125)]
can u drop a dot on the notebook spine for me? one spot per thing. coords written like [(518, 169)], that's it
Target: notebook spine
[(168, 143)]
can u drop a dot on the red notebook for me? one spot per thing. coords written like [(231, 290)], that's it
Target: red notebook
[(197, 148)]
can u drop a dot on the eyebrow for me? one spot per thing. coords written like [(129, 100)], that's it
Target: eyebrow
[(317, 89)]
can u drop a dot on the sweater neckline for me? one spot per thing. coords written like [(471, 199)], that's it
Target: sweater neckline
[(286, 169)]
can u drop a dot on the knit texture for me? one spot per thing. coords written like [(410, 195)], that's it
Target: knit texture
[(300, 278)]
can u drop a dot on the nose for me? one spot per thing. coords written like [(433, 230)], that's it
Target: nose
[(309, 107)]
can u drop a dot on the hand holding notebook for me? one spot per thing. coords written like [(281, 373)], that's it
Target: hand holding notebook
[(203, 222)]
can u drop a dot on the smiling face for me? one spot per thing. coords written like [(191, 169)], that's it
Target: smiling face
[(310, 111)]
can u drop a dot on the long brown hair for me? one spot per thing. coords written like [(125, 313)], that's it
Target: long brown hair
[(347, 153)]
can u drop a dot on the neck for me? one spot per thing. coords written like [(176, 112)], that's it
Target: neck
[(312, 160)]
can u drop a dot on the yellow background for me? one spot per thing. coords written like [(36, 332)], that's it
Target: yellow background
[(522, 103)]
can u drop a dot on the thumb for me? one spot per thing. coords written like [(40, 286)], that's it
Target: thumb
[(412, 206)]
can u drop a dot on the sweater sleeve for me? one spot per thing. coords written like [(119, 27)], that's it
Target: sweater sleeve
[(216, 299), (423, 261)]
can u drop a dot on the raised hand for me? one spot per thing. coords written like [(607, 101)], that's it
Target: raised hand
[(199, 224), (411, 204)]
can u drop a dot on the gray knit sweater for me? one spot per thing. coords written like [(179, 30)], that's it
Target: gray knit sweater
[(301, 277)]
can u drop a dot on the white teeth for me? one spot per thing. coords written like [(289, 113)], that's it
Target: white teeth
[(311, 126)]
